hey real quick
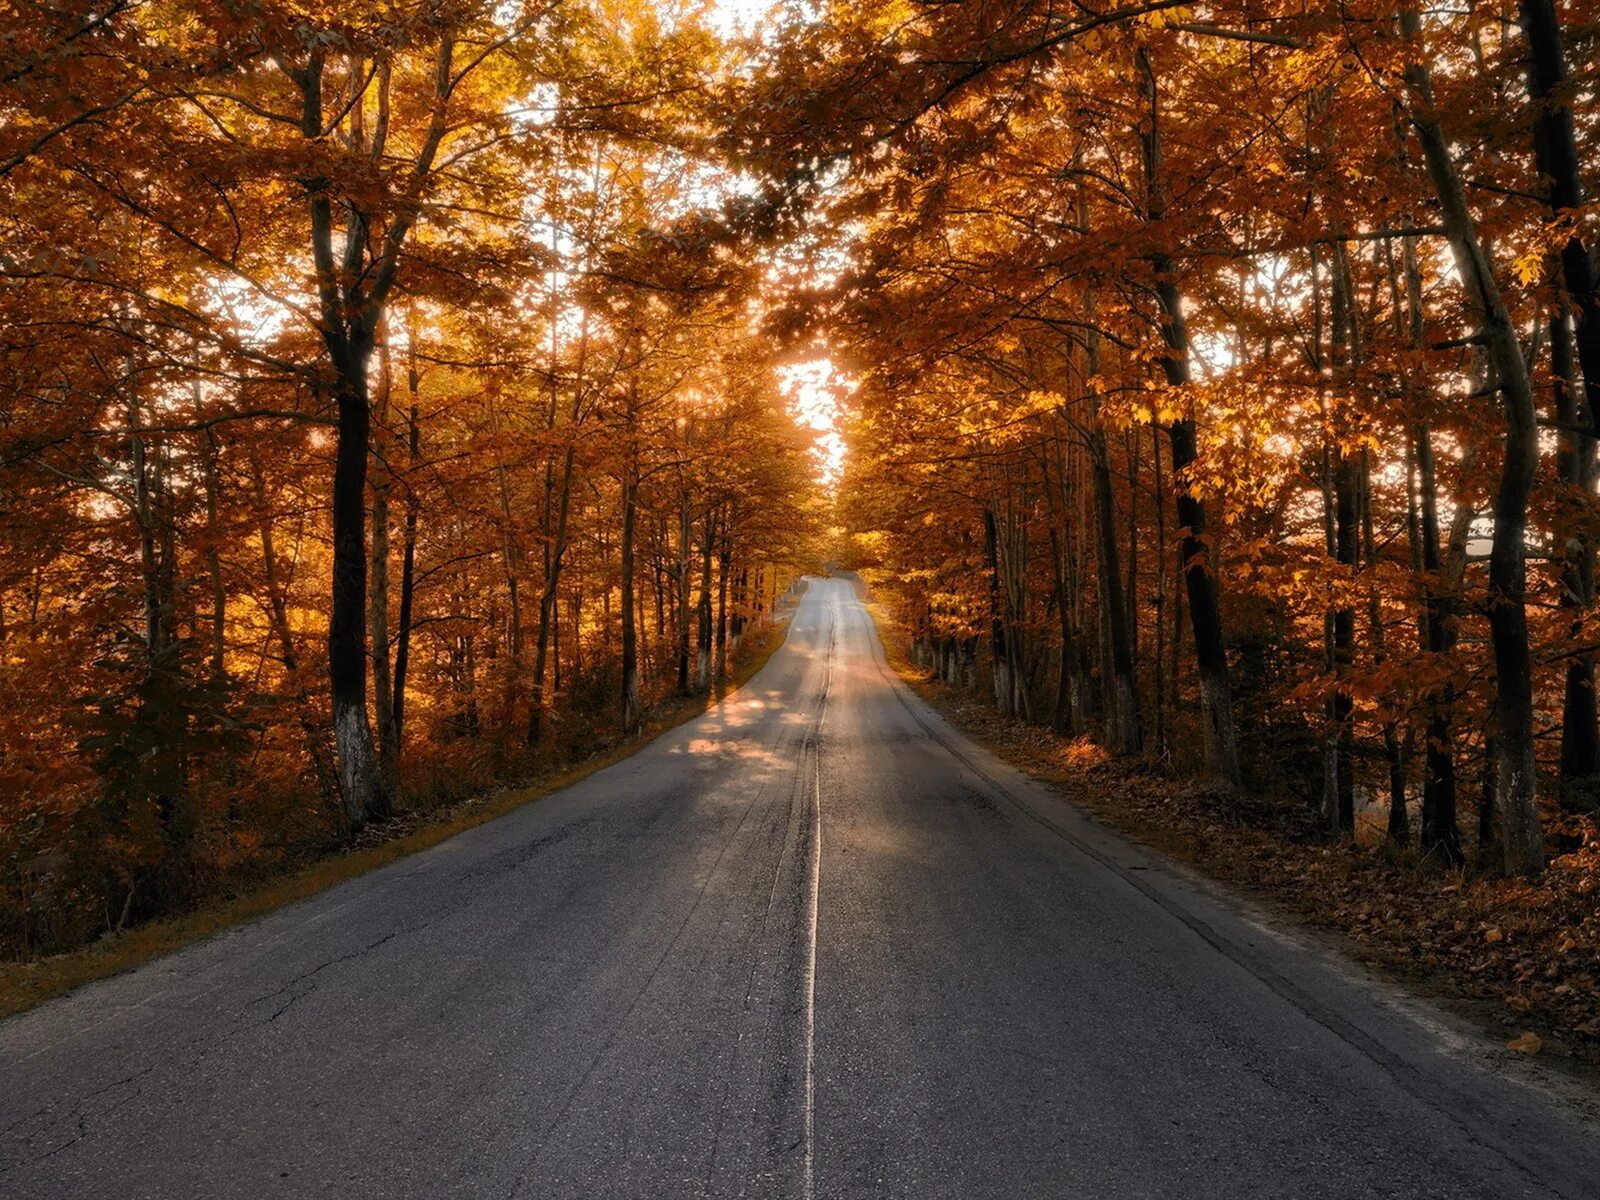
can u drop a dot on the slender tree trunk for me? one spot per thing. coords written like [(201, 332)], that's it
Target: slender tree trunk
[(724, 556), (703, 622), (1522, 840), (1123, 735), (1347, 485), (1580, 720), (685, 532), (511, 562), (999, 650), (632, 714), (1162, 594), (408, 579), (549, 612), (1489, 851), (1399, 819), (1556, 152), (1200, 579), (378, 594), (219, 590), (1441, 834)]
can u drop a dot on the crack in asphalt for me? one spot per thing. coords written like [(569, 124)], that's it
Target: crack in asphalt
[(75, 1114)]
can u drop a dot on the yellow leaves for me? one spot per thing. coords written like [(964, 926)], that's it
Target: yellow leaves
[(1530, 266), (887, 18), (1527, 1042), (1163, 405), (1540, 248), (1039, 402), (1165, 18)]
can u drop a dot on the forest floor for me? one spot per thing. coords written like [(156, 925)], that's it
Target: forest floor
[(26, 984), (1519, 961)]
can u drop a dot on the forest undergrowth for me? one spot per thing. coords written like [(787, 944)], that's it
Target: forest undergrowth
[(421, 822)]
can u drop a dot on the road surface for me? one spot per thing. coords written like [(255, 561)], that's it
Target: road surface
[(814, 944)]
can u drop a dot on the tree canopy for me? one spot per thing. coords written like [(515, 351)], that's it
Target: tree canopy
[(397, 399)]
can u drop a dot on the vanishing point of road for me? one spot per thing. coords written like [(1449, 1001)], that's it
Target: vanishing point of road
[(813, 944)]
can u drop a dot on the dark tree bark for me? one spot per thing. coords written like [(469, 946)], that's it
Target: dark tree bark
[(1556, 152), (999, 648), (724, 557), (1441, 835), (408, 577), (1200, 579), (703, 608), (1123, 734), (219, 590), (1522, 842), (1346, 487), (1578, 404), (685, 534), (632, 714), (1580, 719), (382, 482), (352, 290)]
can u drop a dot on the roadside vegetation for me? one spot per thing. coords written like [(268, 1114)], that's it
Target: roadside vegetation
[(398, 403), (386, 420), (24, 984), (1517, 958)]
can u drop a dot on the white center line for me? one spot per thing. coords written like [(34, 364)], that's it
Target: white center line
[(813, 902), (811, 987)]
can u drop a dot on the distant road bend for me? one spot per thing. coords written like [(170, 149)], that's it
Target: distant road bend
[(814, 944)]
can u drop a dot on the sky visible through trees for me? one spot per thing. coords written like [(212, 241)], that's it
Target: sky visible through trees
[(399, 400)]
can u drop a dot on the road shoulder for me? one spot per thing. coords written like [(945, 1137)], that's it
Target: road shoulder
[(1297, 894)]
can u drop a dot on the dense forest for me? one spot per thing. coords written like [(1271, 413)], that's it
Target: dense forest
[(385, 417), (393, 401), (1228, 391)]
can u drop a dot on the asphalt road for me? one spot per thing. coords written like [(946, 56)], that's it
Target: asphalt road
[(815, 943)]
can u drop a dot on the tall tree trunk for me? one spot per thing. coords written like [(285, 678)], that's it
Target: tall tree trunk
[(219, 590), (1122, 726), (1347, 486), (1399, 819), (378, 591), (685, 533), (1522, 842), (352, 288), (703, 609), (1580, 720), (1556, 153), (1200, 579), (724, 556), (632, 714), (1441, 834), (1158, 661), (360, 782), (999, 650), (511, 563), (549, 613), (1123, 735), (408, 578)]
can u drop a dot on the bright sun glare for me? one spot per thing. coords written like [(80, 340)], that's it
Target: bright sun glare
[(816, 391)]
